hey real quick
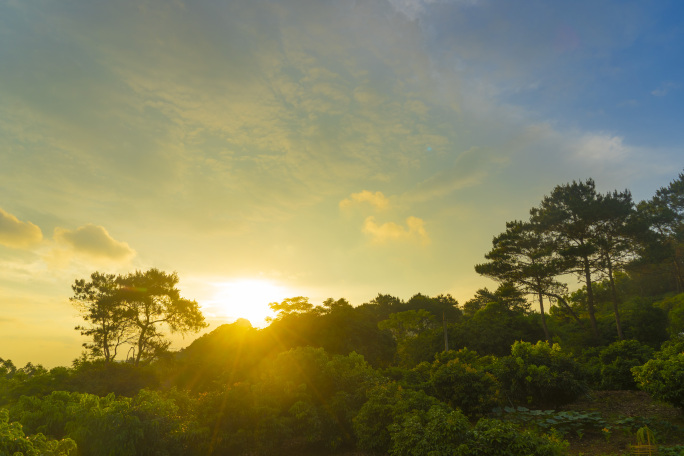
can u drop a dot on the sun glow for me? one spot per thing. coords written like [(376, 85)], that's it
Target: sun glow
[(245, 298)]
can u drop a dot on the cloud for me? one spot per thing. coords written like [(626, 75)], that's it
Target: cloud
[(18, 234), (412, 9), (631, 103), (377, 200), (94, 241), (391, 232), (598, 147), (664, 89)]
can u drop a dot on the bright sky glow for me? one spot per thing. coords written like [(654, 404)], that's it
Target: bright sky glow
[(348, 147), (245, 298)]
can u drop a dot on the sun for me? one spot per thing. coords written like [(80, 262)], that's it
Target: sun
[(245, 298)]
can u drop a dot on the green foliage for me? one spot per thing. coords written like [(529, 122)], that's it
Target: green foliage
[(290, 306), (107, 321), (644, 322), (493, 329), (30, 380), (408, 324), (387, 404), (497, 438), (617, 361), (436, 432), (540, 374), (227, 355), (145, 424), (129, 309), (102, 378), (462, 386), (673, 306), (663, 377), (526, 256), (304, 400), (676, 450), (14, 442)]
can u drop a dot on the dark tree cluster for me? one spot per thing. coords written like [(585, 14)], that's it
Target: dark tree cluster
[(577, 231)]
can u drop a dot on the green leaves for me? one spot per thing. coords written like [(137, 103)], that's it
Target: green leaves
[(13, 441), (128, 309), (663, 377)]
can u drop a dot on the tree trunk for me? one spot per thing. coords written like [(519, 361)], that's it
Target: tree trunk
[(141, 340), (567, 306), (613, 293), (678, 273), (543, 317), (590, 297), (105, 341)]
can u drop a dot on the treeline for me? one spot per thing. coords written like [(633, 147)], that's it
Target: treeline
[(422, 376)]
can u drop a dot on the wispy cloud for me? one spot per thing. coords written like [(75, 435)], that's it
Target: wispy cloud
[(376, 200), (664, 89), (598, 147), (18, 234), (412, 9), (393, 232)]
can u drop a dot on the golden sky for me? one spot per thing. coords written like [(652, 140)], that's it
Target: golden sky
[(316, 148)]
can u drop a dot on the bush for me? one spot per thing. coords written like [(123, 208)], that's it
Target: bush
[(540, 374), (144, 424), (387, 404), (496, 438), (13, 441), (617, 361), (473, 391), (663, 376), (435, 432)]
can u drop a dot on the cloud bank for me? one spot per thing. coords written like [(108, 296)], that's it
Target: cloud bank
[(17, 234)]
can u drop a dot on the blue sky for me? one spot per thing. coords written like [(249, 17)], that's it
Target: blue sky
[(318, 148)]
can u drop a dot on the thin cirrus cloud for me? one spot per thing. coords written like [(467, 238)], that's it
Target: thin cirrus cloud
[(376, 200), (392, 232), (17, 234), (664, 89), (94, 241)]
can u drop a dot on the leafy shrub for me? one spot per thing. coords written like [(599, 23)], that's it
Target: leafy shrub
[(473, 391), (540, 374), (144, 424), (674, 307), (617, 361), (387, 404), (13, 441), (48, 415), (435, 432), (663, 376), (497, 438), (305, 401), (677, 450)]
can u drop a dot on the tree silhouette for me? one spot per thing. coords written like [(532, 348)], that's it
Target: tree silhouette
[(523, 255), (131, 309), (569, 214)]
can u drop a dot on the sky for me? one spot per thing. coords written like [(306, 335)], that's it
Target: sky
[(270, 149)]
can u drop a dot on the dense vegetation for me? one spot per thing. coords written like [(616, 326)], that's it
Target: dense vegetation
[(426, 376)]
